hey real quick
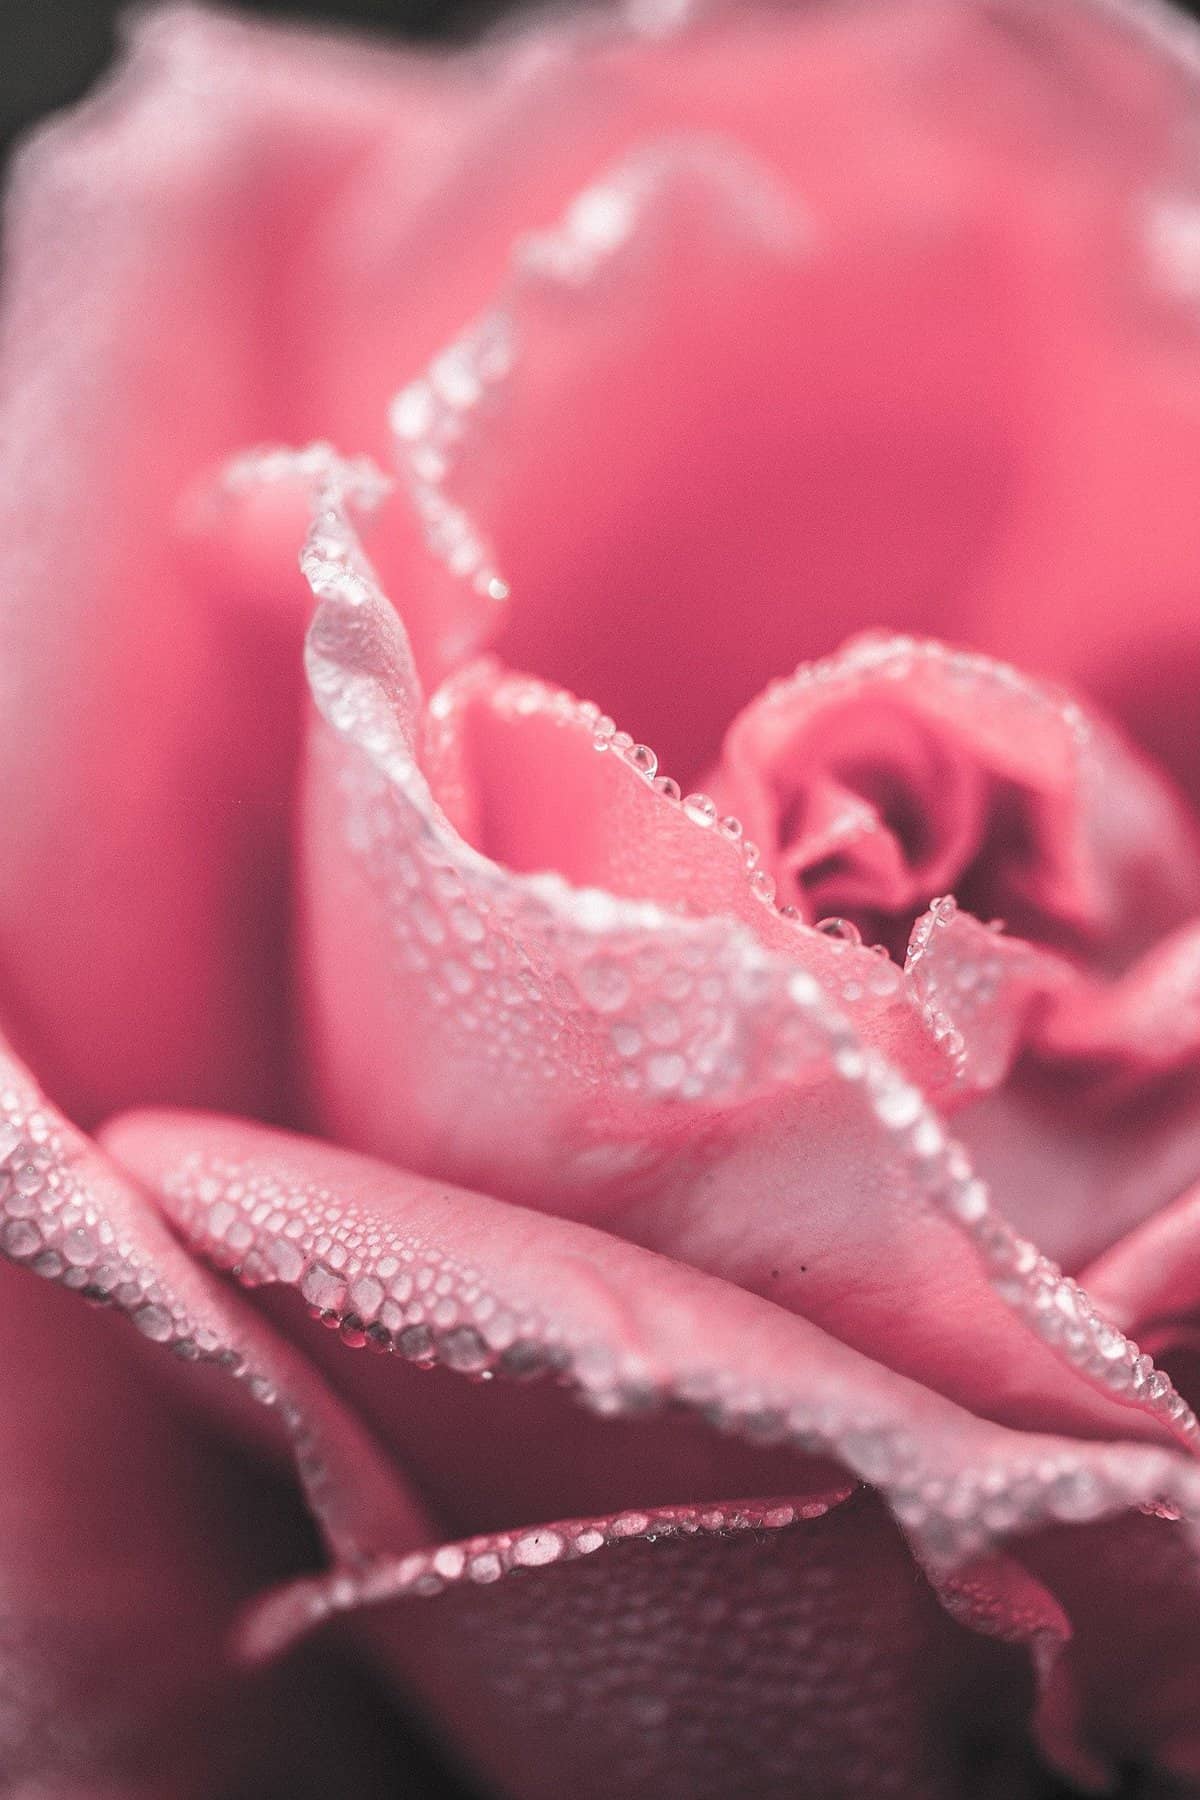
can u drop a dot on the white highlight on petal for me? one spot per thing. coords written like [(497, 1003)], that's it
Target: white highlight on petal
[(434, 417)]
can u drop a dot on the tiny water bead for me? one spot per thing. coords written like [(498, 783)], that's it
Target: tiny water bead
[(543, 936), (844, 930), (81, 1225), (481, 1561), (700, 809), (762, 886)]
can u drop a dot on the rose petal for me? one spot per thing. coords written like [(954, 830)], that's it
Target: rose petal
[(1130, 1587), (1153, 1273), (476, 1285), (480, 1287), (1007, 237), (114, 1612), (73, 1219), (1097, 1127), (665, 1074), (965, 776), (130, 1536), (592, 322), (697, 1665), (540, 781), (148, 238)]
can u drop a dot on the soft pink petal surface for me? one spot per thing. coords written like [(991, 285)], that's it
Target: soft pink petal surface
[(664, 1075), (991, 437), (150, 247), (435, 1276)]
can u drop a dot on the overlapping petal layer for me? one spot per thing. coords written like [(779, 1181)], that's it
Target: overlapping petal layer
[(998, 276), (898, 770), (429, 1275), (628, 1063), (652, 1046), (142, 1513)]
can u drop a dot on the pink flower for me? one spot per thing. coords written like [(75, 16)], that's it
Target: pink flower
[(726, 371)]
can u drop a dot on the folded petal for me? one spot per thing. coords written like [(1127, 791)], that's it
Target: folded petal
[(441, 1276), (1014, 242), (68, 1215), (700, 1652), (132, 1539), (624, 1062), (433, 1276), (1130, 1587), (899, 769)]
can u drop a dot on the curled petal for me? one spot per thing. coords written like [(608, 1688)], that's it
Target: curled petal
[(1142, 1027), (687, 1659), (1153, 1273), (980, 991), (431, 1275), (664, 1073), (68, 1215), (900, 769), (437, 1275)]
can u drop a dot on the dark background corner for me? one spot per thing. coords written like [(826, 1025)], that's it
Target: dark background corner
[(52, 50)]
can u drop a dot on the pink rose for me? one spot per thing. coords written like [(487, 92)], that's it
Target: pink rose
[(552, 1070)]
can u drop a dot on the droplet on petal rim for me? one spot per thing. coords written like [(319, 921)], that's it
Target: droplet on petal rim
[(640, 1333), (72, 1217), (844, 930), (750, 1028), (436, 418), (274, 1622), (700, 809)]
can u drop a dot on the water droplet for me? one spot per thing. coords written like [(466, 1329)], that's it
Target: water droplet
[(323, 1288), (416, 1342), (467, 924), (537, 1548), (731, 827), (604, 984), (666, 1072), (366, 1296), (450, 1561), (153, 1322), (670, 790), (20, 1238), (643, 759), (464, 1349), (286, 1260), (700, 809), (78, 1248), (898, 1105), (762, 886), (969, 1200), (845, 930)]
